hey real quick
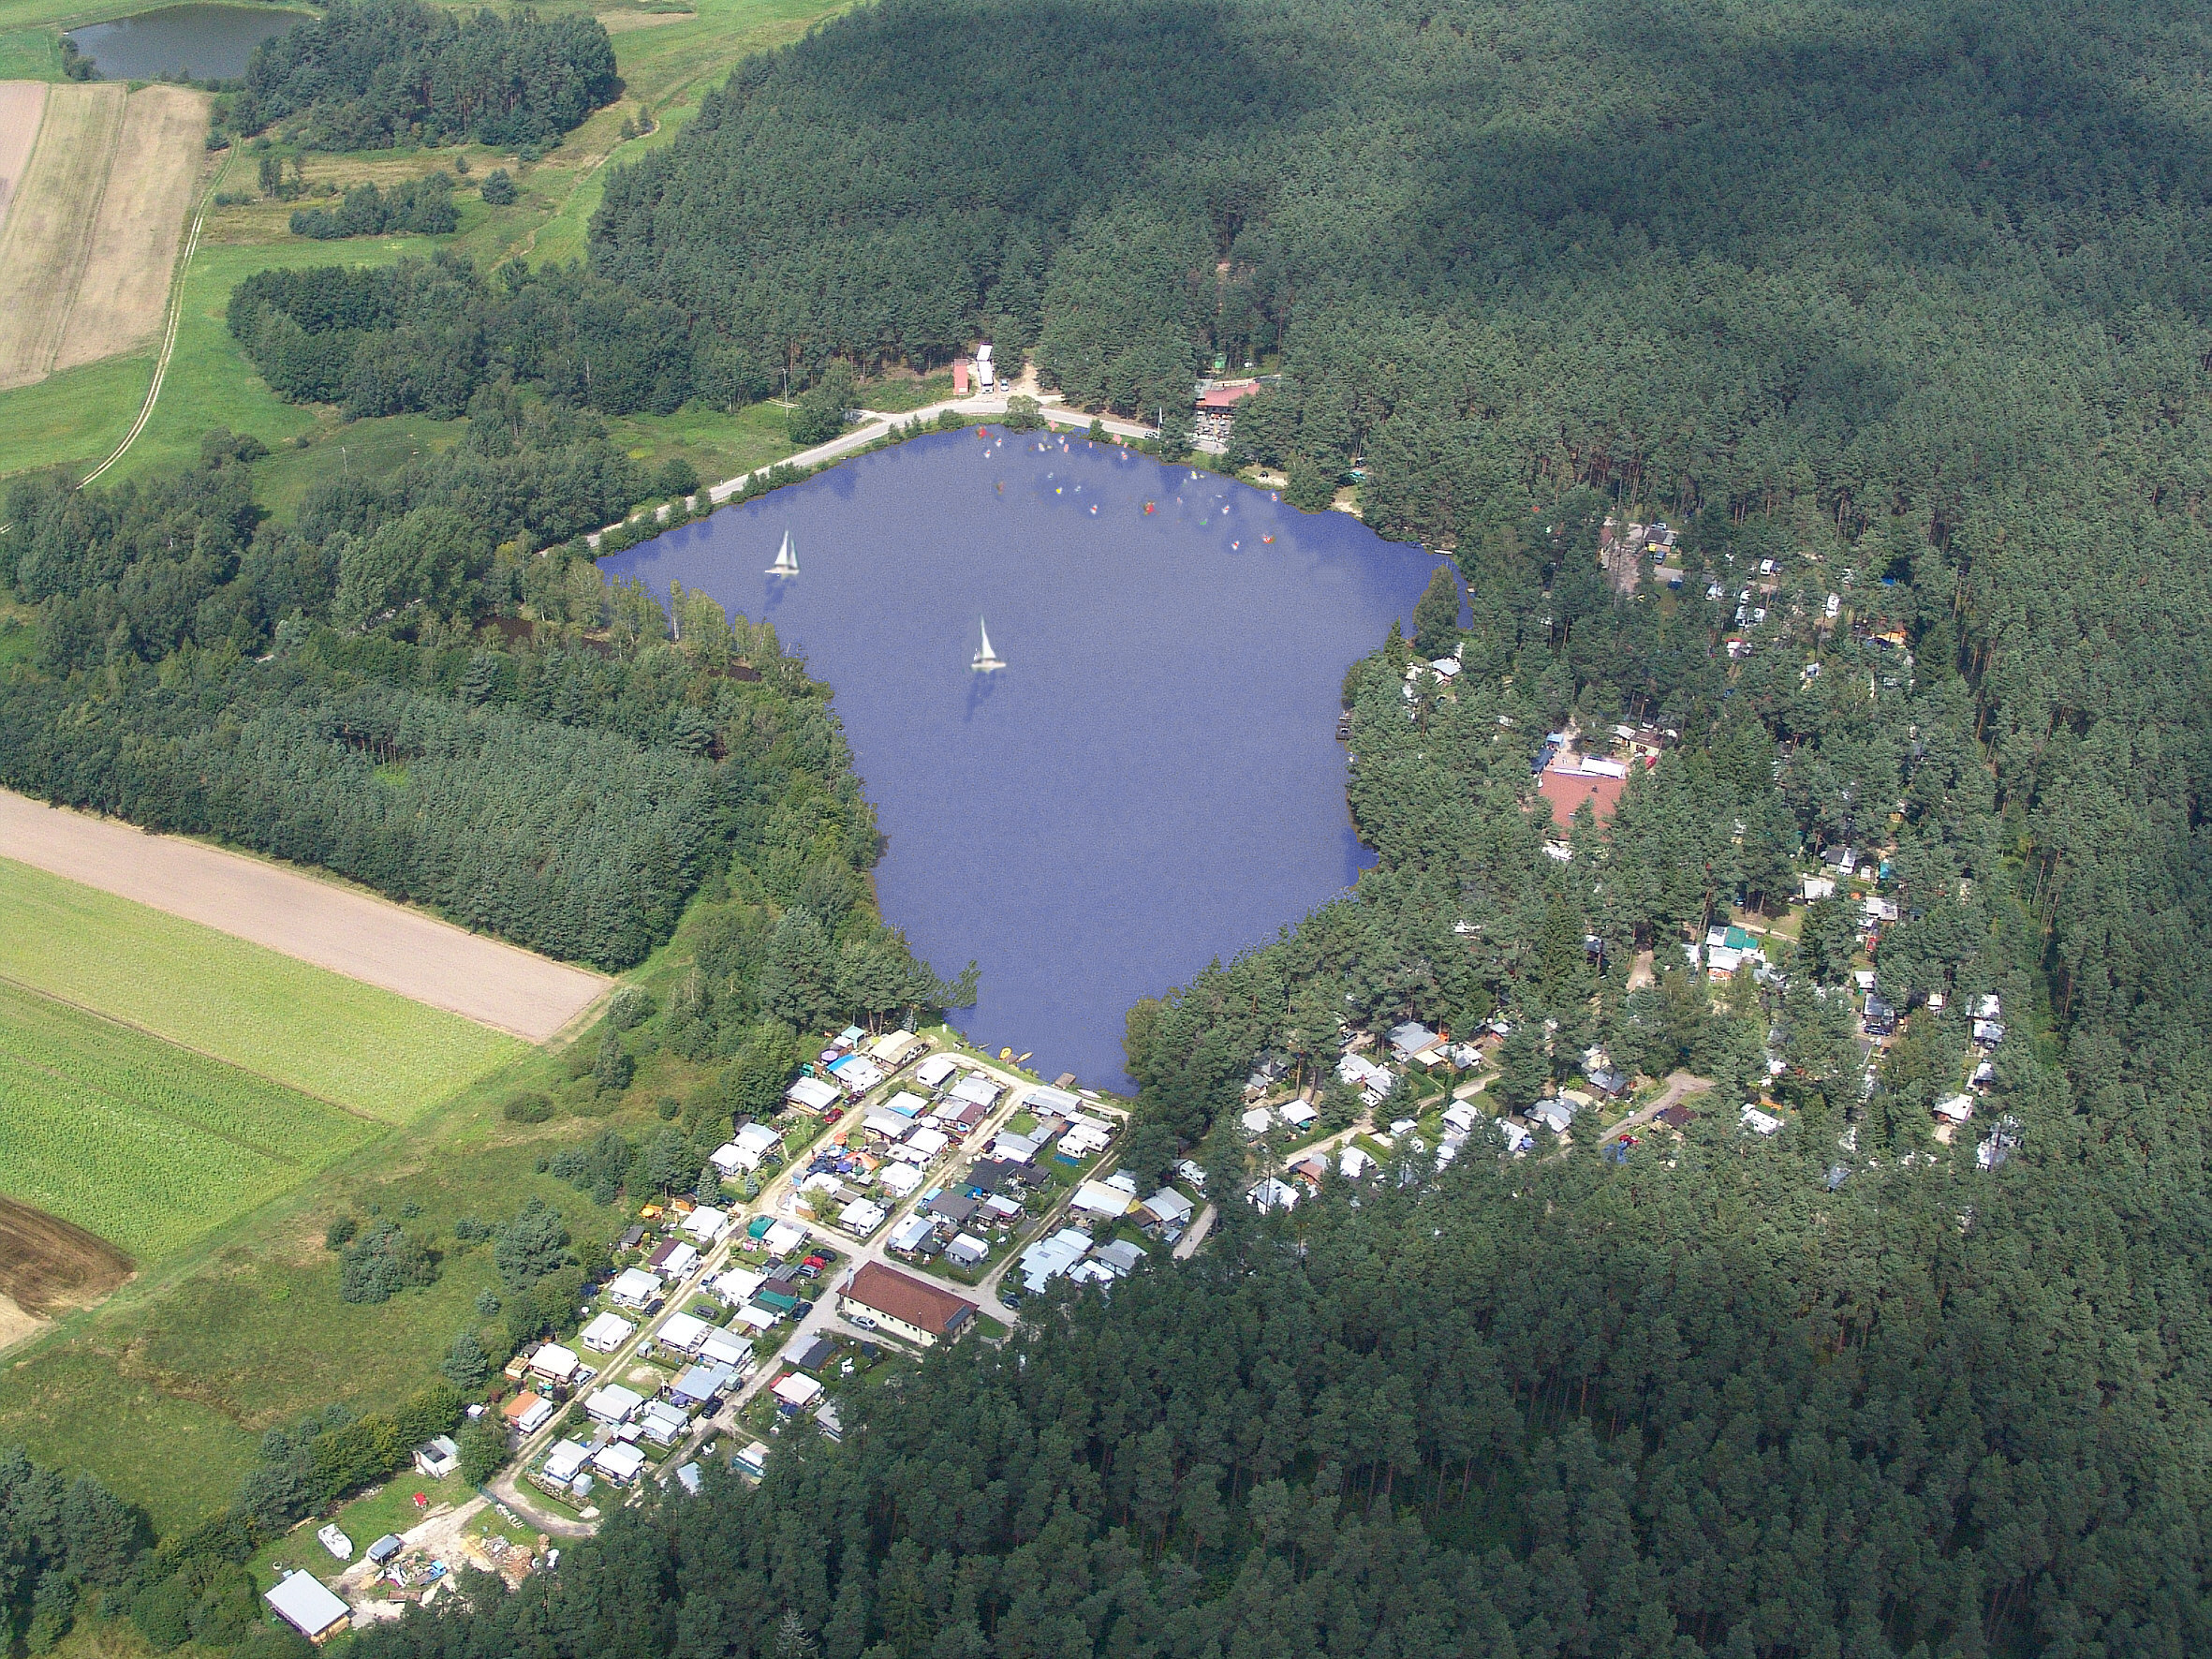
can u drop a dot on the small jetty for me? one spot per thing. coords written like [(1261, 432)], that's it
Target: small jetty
[(786, 560), (986, 661)]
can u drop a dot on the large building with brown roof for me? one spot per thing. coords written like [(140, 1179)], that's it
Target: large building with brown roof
[(1563, 792), (886, 1299)]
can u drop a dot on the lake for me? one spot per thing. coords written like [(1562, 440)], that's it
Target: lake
[(1151, 781), (213, 42)]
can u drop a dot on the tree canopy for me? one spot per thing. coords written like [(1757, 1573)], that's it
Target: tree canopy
[(367, 74)]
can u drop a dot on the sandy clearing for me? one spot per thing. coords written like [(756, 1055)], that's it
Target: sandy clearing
[(16, 1325), (336, 927), (22, 102), (158, 162), (47, 240)]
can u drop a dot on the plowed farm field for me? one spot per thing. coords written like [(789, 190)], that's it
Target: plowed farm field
[(94, 213)]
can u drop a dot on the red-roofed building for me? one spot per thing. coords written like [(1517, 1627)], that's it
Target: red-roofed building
[(880, 1296), (1216, 409), (1566, 791), (1220, 399)]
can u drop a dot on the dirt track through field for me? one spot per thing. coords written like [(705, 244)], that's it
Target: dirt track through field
[(125, 291), (47, 1263), (22, 102), (47, 242), (332, 926)]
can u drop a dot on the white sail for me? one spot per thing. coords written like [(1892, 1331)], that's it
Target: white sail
[(986, 661), (786, 560)]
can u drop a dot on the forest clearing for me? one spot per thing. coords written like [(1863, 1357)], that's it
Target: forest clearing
[(92, 226), (314, 920)]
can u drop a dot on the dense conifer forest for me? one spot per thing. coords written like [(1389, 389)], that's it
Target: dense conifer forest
[(367, 74), (426, 336)]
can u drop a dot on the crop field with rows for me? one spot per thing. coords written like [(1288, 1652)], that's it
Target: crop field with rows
[(148, 1144), (318, 1032)]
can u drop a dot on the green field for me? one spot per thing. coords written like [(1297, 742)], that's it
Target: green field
[(148, 1144), (165, 1390), (351, 1043), (667, 59)]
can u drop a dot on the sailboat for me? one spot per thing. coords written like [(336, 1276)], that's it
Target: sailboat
[(786, 560), (987, 660)]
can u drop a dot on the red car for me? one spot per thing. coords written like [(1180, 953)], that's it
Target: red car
[(832, 1114)]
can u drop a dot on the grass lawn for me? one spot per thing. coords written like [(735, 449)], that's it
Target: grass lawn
[(210, 381), (84, 1407), (146, 1144), (719, 445), (336, 1038), (895, 397), (73, 417), (361, 449), (388, 1508), (29, 54)]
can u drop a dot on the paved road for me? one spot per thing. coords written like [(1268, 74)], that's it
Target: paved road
[(820, 1318), (874, 425), (775, 1199)]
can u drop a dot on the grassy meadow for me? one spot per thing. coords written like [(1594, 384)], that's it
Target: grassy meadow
[(356, 1045), (247, 1331), (668, 59), (234, 1324)]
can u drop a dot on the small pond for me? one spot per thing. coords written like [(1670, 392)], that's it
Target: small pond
[(209, 42), (1151, 780)]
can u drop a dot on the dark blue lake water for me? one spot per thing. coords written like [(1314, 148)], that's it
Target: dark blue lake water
[(210, 41), (1151, 781)]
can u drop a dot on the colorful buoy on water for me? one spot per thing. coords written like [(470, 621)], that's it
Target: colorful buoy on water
[(1267, 540), (1147, 506)]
